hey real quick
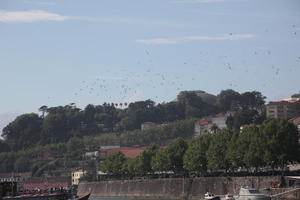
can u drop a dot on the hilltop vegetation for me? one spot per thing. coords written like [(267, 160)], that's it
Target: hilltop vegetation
[(66, 132), (59, 124)]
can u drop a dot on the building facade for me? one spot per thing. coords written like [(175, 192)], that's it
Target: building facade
[(76, 175), (210, 124), (203, 127), (296, 122), (282, 109)]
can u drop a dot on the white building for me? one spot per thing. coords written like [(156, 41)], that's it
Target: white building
[(76, 175), (208, 125)]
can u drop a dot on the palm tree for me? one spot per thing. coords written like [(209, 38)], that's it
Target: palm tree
[(43, 109)]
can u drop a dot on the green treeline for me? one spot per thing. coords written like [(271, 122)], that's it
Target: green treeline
[(67, 132), (274, 144), (60, 124)]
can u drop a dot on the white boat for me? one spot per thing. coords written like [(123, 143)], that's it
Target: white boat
[(211, 196), (247, 193)]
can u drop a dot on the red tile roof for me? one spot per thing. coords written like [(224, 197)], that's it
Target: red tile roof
[(129, 152), (43, 186), (295, 118), (203, 122), (278, 103)]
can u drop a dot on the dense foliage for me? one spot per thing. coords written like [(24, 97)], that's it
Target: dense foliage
[(66, 132), (274, 144), (59, 124)]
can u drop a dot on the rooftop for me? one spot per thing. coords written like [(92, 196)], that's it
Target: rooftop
[(129, 152), (204, 122)]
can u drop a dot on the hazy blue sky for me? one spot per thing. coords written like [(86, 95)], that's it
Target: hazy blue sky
[(93, 51)]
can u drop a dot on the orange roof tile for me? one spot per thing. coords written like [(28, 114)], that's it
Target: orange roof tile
[(295, 118), (278, 103), (203, 122), (129, 152)]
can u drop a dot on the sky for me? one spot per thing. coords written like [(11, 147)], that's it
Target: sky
[(57, 52)]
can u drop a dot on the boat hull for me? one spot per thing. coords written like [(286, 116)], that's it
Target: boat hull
[(39, 197), (254, 197)]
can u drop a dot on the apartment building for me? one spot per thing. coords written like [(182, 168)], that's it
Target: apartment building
[(283, 109)]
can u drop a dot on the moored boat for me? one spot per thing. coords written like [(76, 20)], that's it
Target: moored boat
[(42, 196), (247, 193), (86, 197), (46, 196), (211, 196)]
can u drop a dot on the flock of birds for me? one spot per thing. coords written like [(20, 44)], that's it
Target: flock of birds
[(128, 84)]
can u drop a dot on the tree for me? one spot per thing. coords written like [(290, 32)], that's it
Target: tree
[(175, 152), (216, 153), (60, 124), (137, 113), (75, 146), (170, 111), (7, 161), (233, 154), (281, 142), (23, 132), (252, 101), (253, 157), (244, 117), (132, 166), (43, 109), (244, 148), (145, 159), (114, 164), (161, 161), (297, 95), (22, 164), (193, 105), (195, 156), (228, 100), (4, 147)]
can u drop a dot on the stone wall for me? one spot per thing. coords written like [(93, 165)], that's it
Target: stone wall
[(177, 188)]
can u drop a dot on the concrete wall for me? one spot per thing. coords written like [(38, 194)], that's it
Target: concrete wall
[(177, 188)]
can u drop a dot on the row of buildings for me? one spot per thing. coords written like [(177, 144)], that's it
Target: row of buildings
[(288, 109)]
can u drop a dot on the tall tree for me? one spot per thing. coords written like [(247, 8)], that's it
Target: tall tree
[(195, 156), (146, 158), (175, 151), (114, 164), (43, 109), (161, 161), (23, 132), (281, 142), (252, 101), (228, 100), (216, 153)]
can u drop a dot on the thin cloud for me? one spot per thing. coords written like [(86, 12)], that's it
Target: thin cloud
[(133, 21), (158, 41), (40, 15), (30, 16)]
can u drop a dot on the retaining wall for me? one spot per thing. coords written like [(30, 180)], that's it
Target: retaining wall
[(177, 188)]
